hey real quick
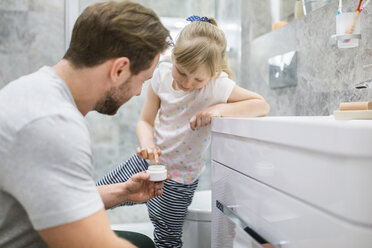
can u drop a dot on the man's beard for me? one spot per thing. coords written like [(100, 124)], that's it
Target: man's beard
[(112, 101)]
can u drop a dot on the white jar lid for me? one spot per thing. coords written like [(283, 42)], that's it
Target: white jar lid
[(157, 172)]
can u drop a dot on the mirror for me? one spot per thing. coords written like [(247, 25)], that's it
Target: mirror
[(268, 15)]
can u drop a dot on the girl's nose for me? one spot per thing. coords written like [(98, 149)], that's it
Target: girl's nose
[(187, 83)]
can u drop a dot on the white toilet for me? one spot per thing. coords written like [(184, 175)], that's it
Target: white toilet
[(197, 226)]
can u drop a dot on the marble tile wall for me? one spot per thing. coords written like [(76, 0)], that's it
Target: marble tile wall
[(26, 42), (326, 74)]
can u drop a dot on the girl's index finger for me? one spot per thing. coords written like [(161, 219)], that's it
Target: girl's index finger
[(138, 150), (156, 157), (193, 123)]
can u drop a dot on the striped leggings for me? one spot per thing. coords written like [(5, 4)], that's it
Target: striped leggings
[(167, 212)]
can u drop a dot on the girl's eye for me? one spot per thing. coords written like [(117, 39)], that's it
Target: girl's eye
[(182, 74), (198, 80)]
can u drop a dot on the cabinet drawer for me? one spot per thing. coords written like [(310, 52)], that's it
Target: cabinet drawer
[(277, 217), (337, 184)]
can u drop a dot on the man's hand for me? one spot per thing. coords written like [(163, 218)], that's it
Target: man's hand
[(140, 189)]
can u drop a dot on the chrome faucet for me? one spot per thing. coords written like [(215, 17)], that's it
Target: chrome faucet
[(364, 84), (367, 83)]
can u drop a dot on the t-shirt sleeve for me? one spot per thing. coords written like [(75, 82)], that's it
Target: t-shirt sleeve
[(222, 88), (161, 76), (52, 172)]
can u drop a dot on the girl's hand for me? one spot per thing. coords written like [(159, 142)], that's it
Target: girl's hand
[(204, 118), (150, 153)]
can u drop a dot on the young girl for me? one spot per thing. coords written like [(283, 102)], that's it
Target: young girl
[(185, 97)]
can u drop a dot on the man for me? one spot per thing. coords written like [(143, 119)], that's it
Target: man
[(47, 193)]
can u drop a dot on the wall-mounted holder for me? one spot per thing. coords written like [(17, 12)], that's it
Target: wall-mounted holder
[(347, 40), (347, 30), (346, 36)]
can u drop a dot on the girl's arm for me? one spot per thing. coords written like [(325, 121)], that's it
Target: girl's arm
[(145, 127), (241, 103)]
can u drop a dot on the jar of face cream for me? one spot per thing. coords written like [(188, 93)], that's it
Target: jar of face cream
[(157, 172)]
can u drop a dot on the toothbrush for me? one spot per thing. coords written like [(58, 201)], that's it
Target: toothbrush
[(351, 29), (364, 5), (356, 16), (339, 10), (358, 9)]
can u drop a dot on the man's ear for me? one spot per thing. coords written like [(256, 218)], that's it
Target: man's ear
[(120, 70)]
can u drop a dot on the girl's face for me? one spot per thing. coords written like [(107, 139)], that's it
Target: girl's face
[(183, 80)]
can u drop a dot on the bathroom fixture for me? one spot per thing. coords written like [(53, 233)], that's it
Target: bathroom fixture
[(197, 226), (364, 84), (298, 9), (347, 30), (301, 181), (354, 111), (283, 70), (352, 115), (348, 27), (342, 38), (311, 5)]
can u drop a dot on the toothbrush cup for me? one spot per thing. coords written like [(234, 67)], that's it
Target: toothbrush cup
[(348, 23)]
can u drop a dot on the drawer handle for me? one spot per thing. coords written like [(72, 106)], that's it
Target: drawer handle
[(260, 241)]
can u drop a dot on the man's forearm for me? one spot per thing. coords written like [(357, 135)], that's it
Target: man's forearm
[(113, 194), (74, 234)]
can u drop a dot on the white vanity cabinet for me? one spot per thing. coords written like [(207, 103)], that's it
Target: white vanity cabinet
[(299, 182)]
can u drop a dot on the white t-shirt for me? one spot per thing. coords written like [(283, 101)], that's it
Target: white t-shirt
[(46, 160), (183, 150)]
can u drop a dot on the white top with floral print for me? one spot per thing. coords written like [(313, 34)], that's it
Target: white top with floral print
[(184, 151)]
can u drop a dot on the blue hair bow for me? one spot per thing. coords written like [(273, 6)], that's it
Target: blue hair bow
[(198, 18)]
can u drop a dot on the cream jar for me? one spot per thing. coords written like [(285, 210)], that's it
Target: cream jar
[(157, 172)]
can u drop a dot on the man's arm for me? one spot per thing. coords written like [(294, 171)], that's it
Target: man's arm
[(93, 232)]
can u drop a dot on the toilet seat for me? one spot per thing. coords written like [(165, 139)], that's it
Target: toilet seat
[(201, 206)]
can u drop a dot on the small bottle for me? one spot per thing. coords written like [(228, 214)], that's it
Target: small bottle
[(298, 9)]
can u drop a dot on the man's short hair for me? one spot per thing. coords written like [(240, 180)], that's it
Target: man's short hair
[(117, 29)]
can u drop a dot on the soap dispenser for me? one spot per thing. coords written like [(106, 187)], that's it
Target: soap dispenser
[(298, 9)]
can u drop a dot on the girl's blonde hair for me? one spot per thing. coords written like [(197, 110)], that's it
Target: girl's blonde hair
[(201, 43)]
